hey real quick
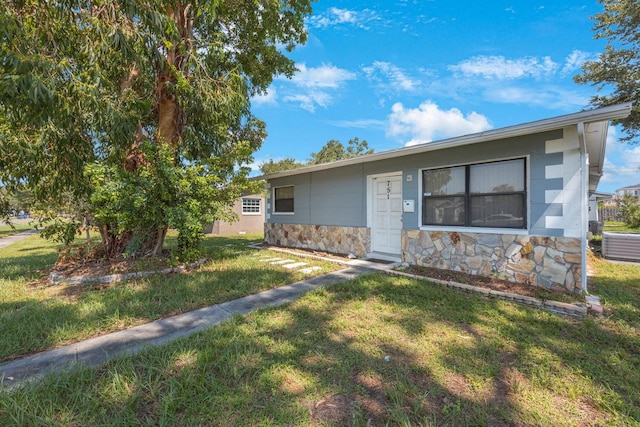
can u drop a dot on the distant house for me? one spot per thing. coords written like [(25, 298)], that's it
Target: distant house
[(596, 199), (251, 214), (634, 190), (511, 202)]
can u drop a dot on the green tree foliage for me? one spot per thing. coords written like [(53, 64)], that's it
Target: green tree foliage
[(355, 148), (286, 164), (618, 68), (5, 207), (139, 109), (334, 150), (629, 210), (330, 152), (13, 202)]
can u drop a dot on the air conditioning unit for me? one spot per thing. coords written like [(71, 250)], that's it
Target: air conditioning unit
[(624, 246)]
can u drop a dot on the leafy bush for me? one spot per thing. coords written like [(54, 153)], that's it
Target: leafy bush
[(629, 210)]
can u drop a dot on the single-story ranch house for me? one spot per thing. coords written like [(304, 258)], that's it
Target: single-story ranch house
[(250, 217), (510, 202)]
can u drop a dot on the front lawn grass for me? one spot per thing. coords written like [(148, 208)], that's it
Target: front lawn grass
[(378, 350), (620, 227), (15, 228), (35, 318)]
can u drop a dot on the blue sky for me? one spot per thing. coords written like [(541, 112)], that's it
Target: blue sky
[(402, 72)]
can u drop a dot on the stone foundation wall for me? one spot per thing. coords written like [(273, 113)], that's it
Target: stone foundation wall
[(547, 262), (339, 240)]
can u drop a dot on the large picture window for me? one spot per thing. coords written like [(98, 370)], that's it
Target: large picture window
[(283, 199), (480, 195)]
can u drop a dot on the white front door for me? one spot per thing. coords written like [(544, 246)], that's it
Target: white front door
[(386, 216)]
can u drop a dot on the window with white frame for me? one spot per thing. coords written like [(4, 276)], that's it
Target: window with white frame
[(283, 199), (477, 195), (250, 206)]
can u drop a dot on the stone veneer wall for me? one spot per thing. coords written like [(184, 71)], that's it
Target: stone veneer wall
[(334, 239), (547, 262)]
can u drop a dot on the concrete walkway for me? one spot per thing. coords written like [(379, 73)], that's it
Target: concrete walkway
[(93, 352), (6, 241)]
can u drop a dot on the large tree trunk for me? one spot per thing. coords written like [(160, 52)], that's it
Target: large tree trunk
[(169, 111), (170, 115), (169, 126)]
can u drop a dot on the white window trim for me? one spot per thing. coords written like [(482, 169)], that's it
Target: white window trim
[(252, 213), (478, 230), (273, 198)]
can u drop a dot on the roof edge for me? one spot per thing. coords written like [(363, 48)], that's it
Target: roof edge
[(611, 112)]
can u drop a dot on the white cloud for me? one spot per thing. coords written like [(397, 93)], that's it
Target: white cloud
[(428, 121), (546, 96), (613, 143), (624, 172), (325, 76), (575, 60), (268, 98), (316, 84), (621, 164), (499, 67), (360, 124), (310, 100), (335, 16), (393, 76)]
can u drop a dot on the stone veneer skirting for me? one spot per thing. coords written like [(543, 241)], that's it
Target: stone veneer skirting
[(334, 239), (547, 262)]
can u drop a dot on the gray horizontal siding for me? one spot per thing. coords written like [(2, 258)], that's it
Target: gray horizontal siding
[(332, 197), (338, 196)]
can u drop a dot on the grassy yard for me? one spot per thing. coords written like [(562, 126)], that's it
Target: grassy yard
[(7, 230), (378, 350), (35, 317), (619, 227)]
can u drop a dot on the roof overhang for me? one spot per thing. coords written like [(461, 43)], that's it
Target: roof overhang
[(595, 122), (600, 196), (595, 138)]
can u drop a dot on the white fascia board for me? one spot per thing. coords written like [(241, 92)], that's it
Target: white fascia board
[(604, 114)]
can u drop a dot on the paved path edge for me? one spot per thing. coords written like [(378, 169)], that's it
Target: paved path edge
[(95, 351)]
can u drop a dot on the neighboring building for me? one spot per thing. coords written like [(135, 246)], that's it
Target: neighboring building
[(250, 211), (596, 199), (510, 202), (634, 190)]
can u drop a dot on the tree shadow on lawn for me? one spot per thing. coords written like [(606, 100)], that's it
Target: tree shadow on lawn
[(81, 311), (28, 267), (50, 316), (453, 359), (31, 263), (620, 295)]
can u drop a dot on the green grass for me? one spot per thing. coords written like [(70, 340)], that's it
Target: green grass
[(611, 227), (8, 230), (35, 318), (618, 227), (454, 359)]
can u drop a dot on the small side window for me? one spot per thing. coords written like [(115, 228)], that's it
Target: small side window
[(250, 206), (283, 199)]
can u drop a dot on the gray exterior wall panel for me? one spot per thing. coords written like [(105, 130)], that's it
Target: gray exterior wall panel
[(335, 197), (338, 197)]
